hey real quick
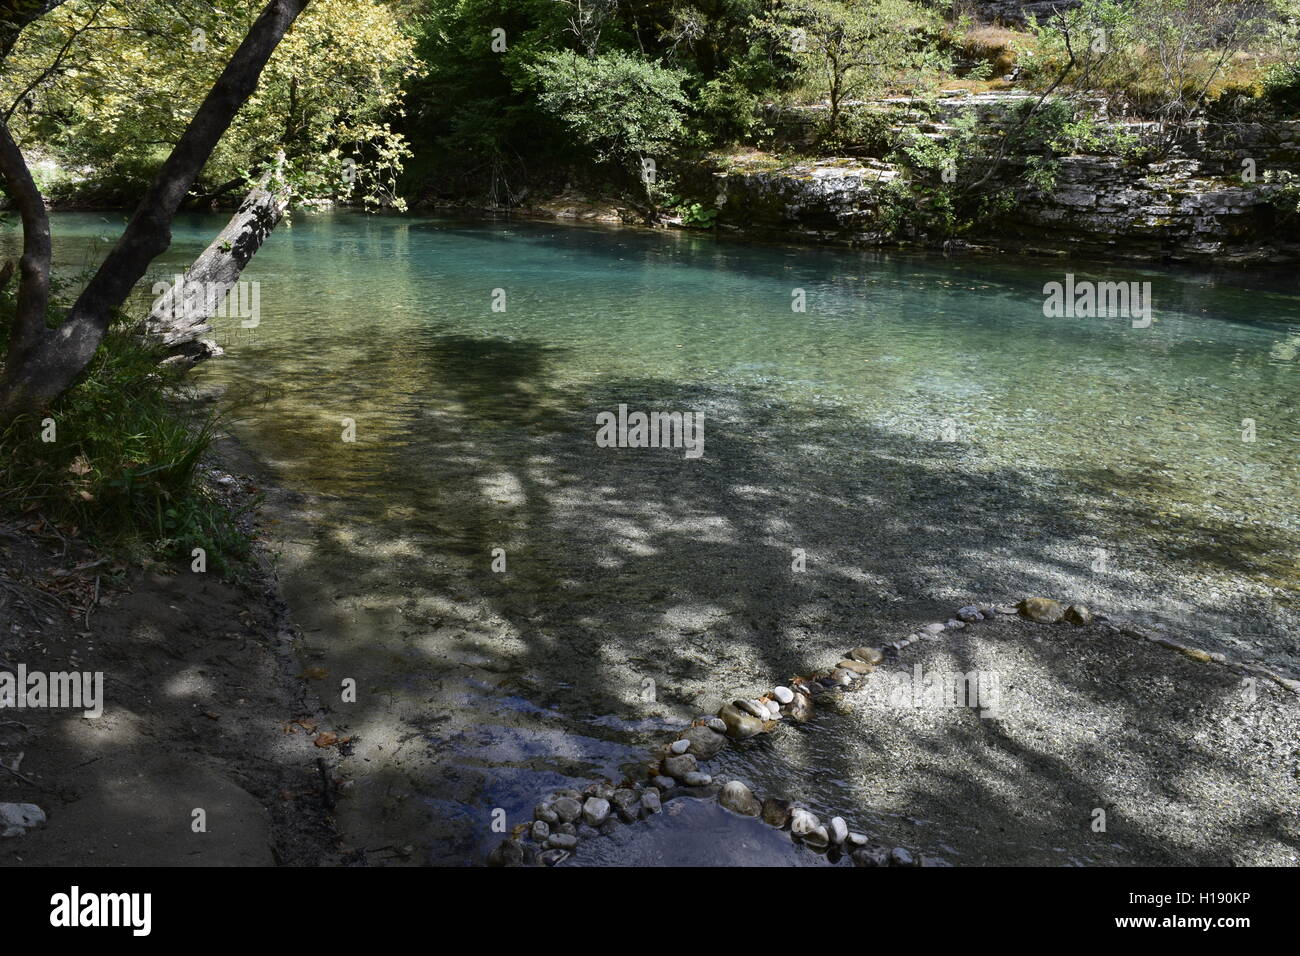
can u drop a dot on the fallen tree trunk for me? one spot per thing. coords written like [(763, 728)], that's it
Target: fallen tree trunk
[(181, 315)]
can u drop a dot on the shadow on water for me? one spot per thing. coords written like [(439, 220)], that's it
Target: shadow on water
[(632, 566)]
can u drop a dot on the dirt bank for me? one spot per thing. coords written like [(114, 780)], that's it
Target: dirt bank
[(204, 708)]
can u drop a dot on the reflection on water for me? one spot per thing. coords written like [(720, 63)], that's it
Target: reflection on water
[(922, 432)]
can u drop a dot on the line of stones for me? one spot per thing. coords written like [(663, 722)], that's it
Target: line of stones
[(562, 820)]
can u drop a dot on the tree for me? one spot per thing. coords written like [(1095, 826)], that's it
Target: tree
[(108, 86), (42, 361), (850, 48), (620, 105)]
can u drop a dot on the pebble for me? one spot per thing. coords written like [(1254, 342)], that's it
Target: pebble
[(738, 798), (802, 821), (868, 655), (624, 799), (858, 839), (1041, 610), (784, 694), (754, 708), (839, 830), (871, 856), (717, 724), (956, 625), (697, 779), (541, 831), (544, 813), (704, 742), (739, 723), (595, 811), (1078, 615), (663, 783), (933, 628), (817, 838), (678, 767), (508, 853), (970, 614), (901, 857), (650, 800), (801, 709), (680, 746), (856, 667), (552, 857), (776, 813), (561, 841), (567, 809)]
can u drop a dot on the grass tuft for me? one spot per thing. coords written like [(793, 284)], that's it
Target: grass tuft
[(123, 468)]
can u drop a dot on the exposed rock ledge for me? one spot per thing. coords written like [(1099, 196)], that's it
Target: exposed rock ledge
[(1194, 206)]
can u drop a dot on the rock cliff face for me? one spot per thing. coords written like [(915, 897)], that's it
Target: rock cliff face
[(1209, 200)]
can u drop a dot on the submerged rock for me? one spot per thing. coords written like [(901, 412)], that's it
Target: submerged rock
[(678, 767), (508, 853), (703, 742), (1041, 610), (800, 709), (901, 857), (870, 856), (776, 813), (567, 809), (817, 838), (868, 655), (857, 667), (970, 614), (595, 811), (1078, 615), (738, 798), (803, 822), (739, 723)]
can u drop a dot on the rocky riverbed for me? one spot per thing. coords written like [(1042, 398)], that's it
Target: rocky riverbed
[(973, 740)]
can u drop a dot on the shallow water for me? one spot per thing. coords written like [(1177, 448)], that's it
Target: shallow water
[(641, 586)]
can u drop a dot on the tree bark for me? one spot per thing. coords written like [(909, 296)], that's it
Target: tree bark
[(43, 362), (180, 323)]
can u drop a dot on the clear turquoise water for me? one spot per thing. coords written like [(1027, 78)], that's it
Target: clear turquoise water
[(823, 431)]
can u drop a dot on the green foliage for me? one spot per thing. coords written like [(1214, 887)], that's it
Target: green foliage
[(108, 87), (695, 215), (847, 49), (122, 467), (1167, 57), (620, 106)]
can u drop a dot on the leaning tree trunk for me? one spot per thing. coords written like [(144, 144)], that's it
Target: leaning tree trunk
[(180, 318), (42, 362)]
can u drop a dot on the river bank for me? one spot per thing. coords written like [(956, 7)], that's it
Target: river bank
[(205, 752)]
